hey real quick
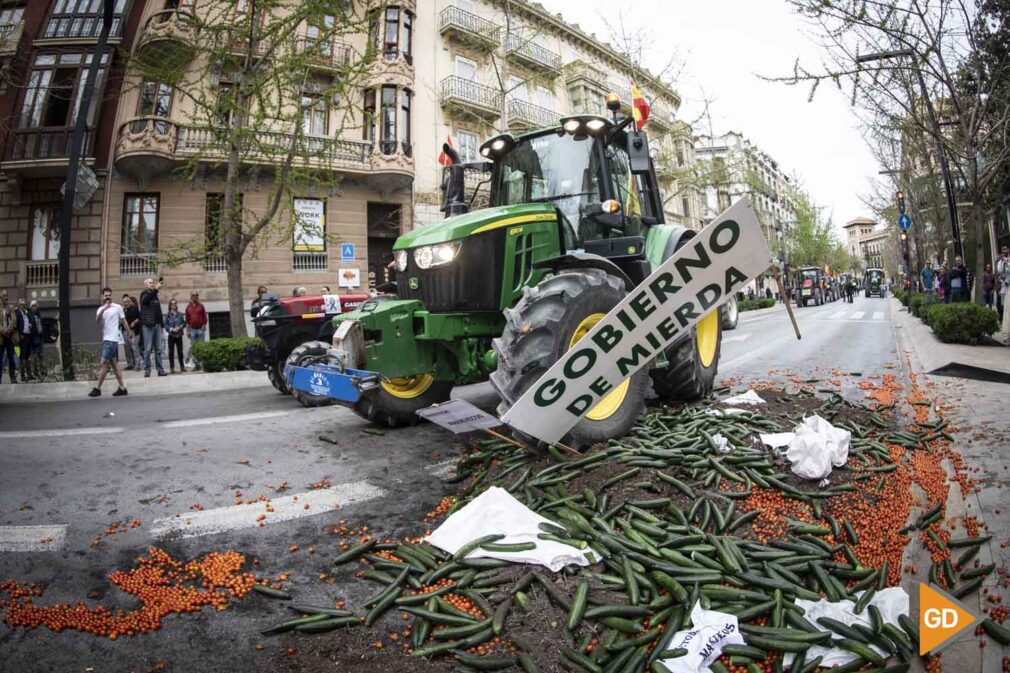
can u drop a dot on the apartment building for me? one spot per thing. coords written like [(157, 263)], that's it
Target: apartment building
[(870, 244), (428, 71), (45, 50), (855, 230)]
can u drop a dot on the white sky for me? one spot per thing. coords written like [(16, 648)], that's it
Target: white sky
[(726, 44)]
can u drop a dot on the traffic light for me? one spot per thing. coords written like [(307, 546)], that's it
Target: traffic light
[(901, 202), (903, 236)]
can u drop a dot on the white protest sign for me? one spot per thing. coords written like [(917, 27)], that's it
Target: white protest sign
[(695, 281), (710, 631), (331, 303), (459, 416)]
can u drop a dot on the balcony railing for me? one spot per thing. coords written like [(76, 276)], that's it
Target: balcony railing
[(459, 90), (138, 263), (169, 25), (309, 261), (532, 53), (454, 19), (268, 144), (10, 35), (42, 143), (42, 273), (526, 113), (325, 53), (215, 264), (580, 70)]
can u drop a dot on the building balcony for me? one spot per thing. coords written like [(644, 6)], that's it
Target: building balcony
[(326, 55), (580, 72), (532, 55), (469, 28), (661, 116), (146, 147), (457, 93), (167, 35), (623, 92), (138, 263), (408, 5), (526, 115), (10, 37), (42, 152), (392, 67)]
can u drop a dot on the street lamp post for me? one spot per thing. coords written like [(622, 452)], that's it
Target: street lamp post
[(941, 154)]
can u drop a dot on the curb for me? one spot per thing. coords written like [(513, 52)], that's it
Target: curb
[(137, 385)]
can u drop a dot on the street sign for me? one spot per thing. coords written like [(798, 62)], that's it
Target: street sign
[(695, 281), (346, 252), (904, 221)]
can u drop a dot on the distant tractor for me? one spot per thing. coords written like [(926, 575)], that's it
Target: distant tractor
[(574, 223), (874, 282), (808, 287)]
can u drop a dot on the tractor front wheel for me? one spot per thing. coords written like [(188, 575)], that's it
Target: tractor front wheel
[(693, 363), (548, 321), (275, 372), (396, 402), (304, 355), (730, 314)]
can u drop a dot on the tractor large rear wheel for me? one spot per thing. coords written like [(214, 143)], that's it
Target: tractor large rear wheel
[(549, 320), (730, 312), (304, 355), (275, 373), (693, 363), (396, 402)]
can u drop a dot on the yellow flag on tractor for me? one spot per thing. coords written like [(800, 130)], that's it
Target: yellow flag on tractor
[(639, 107)]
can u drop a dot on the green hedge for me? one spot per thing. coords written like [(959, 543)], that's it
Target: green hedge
[(899, 294), (223, 355), (961, 323), (754, 304), (921, 304)]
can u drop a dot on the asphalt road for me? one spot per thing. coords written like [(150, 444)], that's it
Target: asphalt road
[(175, 463)]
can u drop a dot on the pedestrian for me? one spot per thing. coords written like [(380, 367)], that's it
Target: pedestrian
[(958, 281), (927, 278), (196, 325), (768, 293), (257, 303), (38, 339), (24, 339), (175, 326), (325, 289), (8, 337), (152, 321), (132, 314), (300, 291), (988, 286), (943, 284), (113, 321), (1003, 275)]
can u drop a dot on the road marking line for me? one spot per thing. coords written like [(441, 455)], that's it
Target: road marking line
[(32, 538), (213, 420), (234, 517), (858, 315), (878, 315), (64, 432), (747, 356), (735, 338), (837, 314), (441, 470)]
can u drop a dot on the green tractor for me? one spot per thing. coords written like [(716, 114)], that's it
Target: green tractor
[(875, 282), (574, 223)]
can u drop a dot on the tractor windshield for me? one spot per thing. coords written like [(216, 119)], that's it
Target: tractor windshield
[(875, 275), (809, 277), (550, 167)]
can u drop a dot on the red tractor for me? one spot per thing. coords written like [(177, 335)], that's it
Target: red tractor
[(285, 324)]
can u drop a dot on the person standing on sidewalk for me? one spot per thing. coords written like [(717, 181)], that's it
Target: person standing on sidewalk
[(988, 286), (254, 308), (151, 321), (175, 325), (958, 281), (8, 336), (112, 319), (943, 284), (1003, 274), (38, 339), (196, 325), (24, 339), (132, 313)]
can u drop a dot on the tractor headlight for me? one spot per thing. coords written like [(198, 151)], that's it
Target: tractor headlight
[(436, 255), (401, 260)]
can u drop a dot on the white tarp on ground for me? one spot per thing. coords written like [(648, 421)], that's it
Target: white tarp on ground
[(749, 397), (817, 447), (495, 511), (710, 631), (892, 602)]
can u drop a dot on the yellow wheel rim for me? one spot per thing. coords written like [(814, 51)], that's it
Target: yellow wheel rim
[(706, 334), (408, 387), (609, 405)]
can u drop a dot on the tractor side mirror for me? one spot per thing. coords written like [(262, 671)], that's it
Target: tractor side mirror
[(638, 152)]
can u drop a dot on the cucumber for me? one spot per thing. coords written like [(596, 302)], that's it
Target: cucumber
[(473, 545), (997, 632), (623, 625), (354, 552), (292, 623), (329, 624), (514, 547), (860, 650), (578, 605), (778, 645), (844, 630), (969, 541), (270, 592)]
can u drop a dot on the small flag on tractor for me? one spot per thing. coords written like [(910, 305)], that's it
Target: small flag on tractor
[(639, 107), (444, 158)]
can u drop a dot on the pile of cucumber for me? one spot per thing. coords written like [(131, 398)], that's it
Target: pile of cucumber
[(659, 559)]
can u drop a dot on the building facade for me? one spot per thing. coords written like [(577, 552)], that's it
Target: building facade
[(465, 70), (870, 245)]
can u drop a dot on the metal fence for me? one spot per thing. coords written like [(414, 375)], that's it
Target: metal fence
[(460, 19), (138, 264), (309, 261), (468, 91)]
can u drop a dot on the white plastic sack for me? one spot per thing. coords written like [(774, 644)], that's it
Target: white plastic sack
[(816, 447), (892, 602), (732, 411), (495, 511), (710, 631), (777, 439), (749, 397)]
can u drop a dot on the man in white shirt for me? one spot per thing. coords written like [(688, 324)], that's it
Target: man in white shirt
[(113, 321)]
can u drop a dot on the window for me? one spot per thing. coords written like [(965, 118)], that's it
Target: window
[(140, 225), (517, 88), (405, 121), (213, 220), (155, 100), (685, 206), (315, 115), (391, 31), (467, 6), (468, 145), (225, 104), (545, 98), (45, 233), (387, 121), (368, 107), (9, 17), (81, 19), (465, 68), (320, 33)]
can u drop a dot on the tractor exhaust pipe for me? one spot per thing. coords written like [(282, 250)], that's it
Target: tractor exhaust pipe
[(453, 188)]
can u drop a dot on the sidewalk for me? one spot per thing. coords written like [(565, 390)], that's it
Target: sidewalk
[(933, 354), (173, 384)]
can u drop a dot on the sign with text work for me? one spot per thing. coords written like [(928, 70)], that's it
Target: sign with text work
[(695, 281)]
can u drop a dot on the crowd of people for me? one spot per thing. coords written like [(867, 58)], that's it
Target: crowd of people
[(954, 283), (21, 338)]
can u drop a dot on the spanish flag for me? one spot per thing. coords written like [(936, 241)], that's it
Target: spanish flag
[(639, 107), (443, 158)]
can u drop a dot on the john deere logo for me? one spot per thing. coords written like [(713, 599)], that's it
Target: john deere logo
[(413, 283)]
